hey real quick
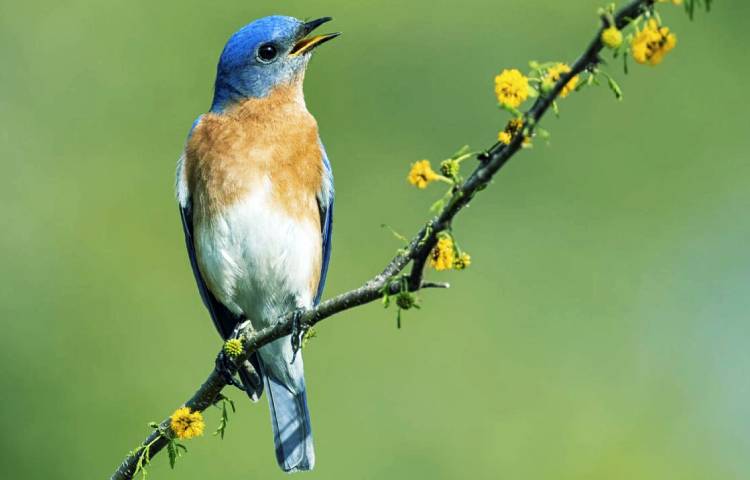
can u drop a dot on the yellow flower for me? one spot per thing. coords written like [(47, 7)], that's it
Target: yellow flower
[(186, 424), (421, 174), (233, 347), (513, 128), (443, 254), (674, 2), (511, 88), (651, 44), (555, 72), (612, 37), (504, 137), (462, 262)]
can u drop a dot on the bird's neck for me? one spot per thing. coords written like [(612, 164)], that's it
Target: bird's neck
[(225, 95), (228, 96)]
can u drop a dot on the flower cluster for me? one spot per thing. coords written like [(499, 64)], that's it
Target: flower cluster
[(650, 45), (512, 88), (462, 262), (445, 255), (513, 128), (642, 38), (422, 174), (553, 75), (187, 424)]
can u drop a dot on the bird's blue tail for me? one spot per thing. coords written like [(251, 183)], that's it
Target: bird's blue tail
[(287, 399)]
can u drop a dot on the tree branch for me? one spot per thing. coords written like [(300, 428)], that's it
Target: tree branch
[(416, 253)]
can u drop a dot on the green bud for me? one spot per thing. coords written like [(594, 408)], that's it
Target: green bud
[(450, 168), (406, 300)]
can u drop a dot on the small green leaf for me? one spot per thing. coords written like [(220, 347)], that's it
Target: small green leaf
[(172, 451), (591, 78), (437, 207), (461, 151), (614, 87), (224, 420)]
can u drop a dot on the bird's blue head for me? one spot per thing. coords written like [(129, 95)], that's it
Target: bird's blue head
[(266, 53)]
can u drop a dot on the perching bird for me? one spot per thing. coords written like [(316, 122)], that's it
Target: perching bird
[(255, 190)]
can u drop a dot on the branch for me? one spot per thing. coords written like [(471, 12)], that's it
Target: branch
[(416, 253)]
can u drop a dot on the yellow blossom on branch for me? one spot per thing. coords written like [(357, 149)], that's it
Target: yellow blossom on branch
[(233, 347), (554, 73), (443, 253), (422, 174), (612, 37), (513, 128), (650, 45), (511, 88), (462, 262), (186, 424)]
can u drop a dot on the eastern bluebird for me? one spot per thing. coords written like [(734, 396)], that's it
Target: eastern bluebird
[(255, 190)]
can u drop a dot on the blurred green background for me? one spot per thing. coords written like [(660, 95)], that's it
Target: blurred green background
[(600, 333)]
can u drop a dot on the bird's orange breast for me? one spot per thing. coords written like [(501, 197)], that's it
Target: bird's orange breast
[(273, 137)]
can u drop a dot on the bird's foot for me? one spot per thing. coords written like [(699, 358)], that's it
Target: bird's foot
[(238, 329), (226, 368), (298, 332), (225, 364)]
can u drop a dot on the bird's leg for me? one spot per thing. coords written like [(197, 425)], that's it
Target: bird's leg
[(226, 368), (298, 332), (225, 365)]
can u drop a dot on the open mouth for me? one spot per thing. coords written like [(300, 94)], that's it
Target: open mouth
[(308, 43)]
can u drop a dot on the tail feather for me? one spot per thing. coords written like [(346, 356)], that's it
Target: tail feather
[(292, 433), (287, 399)]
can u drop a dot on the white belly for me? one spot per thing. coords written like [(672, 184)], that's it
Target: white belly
[(258, 260)]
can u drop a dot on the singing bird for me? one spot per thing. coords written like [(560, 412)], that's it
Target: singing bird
[(255, 191)]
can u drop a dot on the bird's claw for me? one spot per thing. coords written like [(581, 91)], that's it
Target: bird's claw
[(226, 368), (237, 332), (225, 365), (298, 332)]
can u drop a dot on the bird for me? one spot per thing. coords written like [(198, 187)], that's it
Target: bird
[(255, 192)]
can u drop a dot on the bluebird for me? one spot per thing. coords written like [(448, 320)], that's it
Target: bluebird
[(255, 191)]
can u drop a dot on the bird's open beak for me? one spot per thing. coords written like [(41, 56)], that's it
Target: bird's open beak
[(306, 44)]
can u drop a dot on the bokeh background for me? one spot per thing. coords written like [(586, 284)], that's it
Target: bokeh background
[(602, 331)]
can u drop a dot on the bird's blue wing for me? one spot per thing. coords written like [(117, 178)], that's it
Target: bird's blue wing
[(325, 204), (223, 318)]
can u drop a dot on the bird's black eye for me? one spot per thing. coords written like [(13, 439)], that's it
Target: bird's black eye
[(267, 52)]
